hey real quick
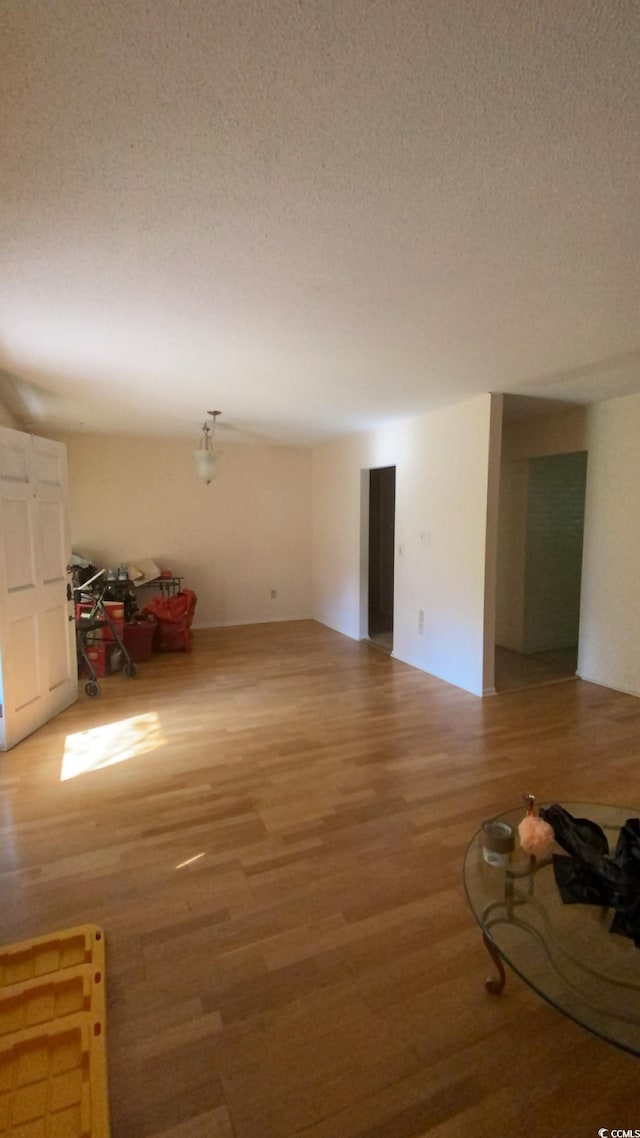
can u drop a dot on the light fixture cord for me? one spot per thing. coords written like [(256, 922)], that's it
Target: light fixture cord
[(205, 441), (206, 438)]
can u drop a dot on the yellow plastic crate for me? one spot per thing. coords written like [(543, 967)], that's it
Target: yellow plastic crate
[(53, 1069), (43, 1001), (46, 954)]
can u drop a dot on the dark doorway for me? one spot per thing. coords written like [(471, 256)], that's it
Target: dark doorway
[(553, 560), (543, 603), (382, 509)]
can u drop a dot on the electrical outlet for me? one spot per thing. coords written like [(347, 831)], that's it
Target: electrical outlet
[(420, 622)]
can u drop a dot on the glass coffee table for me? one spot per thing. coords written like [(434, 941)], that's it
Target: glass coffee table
[(564, 952)]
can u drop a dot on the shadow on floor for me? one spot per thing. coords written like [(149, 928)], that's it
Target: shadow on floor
[(382, 640), (514, 670)]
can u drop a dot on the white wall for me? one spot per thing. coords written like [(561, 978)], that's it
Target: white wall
[(442, 471), (233, 541), (250, 530), (610, 611)]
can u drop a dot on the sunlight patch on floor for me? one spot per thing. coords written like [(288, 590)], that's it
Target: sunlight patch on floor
[(190, 860), (99, 747)]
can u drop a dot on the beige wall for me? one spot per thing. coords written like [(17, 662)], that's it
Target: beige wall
[(250, 531), (522, 439), (610, 611), (537, 435), (6, 417), (234, 541), (442, 474)]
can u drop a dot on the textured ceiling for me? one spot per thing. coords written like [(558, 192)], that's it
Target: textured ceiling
[(317, 215)]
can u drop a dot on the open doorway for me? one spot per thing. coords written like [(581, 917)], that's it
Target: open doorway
[(539, 570), (382, 508)]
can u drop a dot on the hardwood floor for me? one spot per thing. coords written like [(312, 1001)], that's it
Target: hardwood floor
[(515, 670), (275, 854)]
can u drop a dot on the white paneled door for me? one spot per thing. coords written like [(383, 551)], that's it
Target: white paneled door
[(38, 670)]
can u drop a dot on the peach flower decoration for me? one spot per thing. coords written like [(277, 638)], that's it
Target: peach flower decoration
[(536, 835)]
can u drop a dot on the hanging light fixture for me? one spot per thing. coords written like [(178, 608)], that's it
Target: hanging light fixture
[(205, 456)]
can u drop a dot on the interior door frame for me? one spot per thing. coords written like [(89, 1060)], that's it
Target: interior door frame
[(34, 582), (365, 496)]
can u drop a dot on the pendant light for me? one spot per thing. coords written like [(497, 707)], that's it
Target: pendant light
[(205, 456)]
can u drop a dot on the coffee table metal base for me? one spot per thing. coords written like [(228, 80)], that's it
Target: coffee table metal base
[(564, 952), (494, 984)]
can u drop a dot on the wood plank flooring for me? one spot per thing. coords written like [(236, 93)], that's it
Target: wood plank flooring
[(515, 670), (271, 831)]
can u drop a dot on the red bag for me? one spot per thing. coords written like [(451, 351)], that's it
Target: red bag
[(174, 616)]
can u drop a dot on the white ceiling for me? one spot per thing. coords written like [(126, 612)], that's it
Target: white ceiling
[(316, 215)]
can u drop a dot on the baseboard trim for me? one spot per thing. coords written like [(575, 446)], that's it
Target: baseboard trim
[(243, 623), (611, 687)]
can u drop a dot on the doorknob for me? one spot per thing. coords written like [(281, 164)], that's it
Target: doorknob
[(69, 592)]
